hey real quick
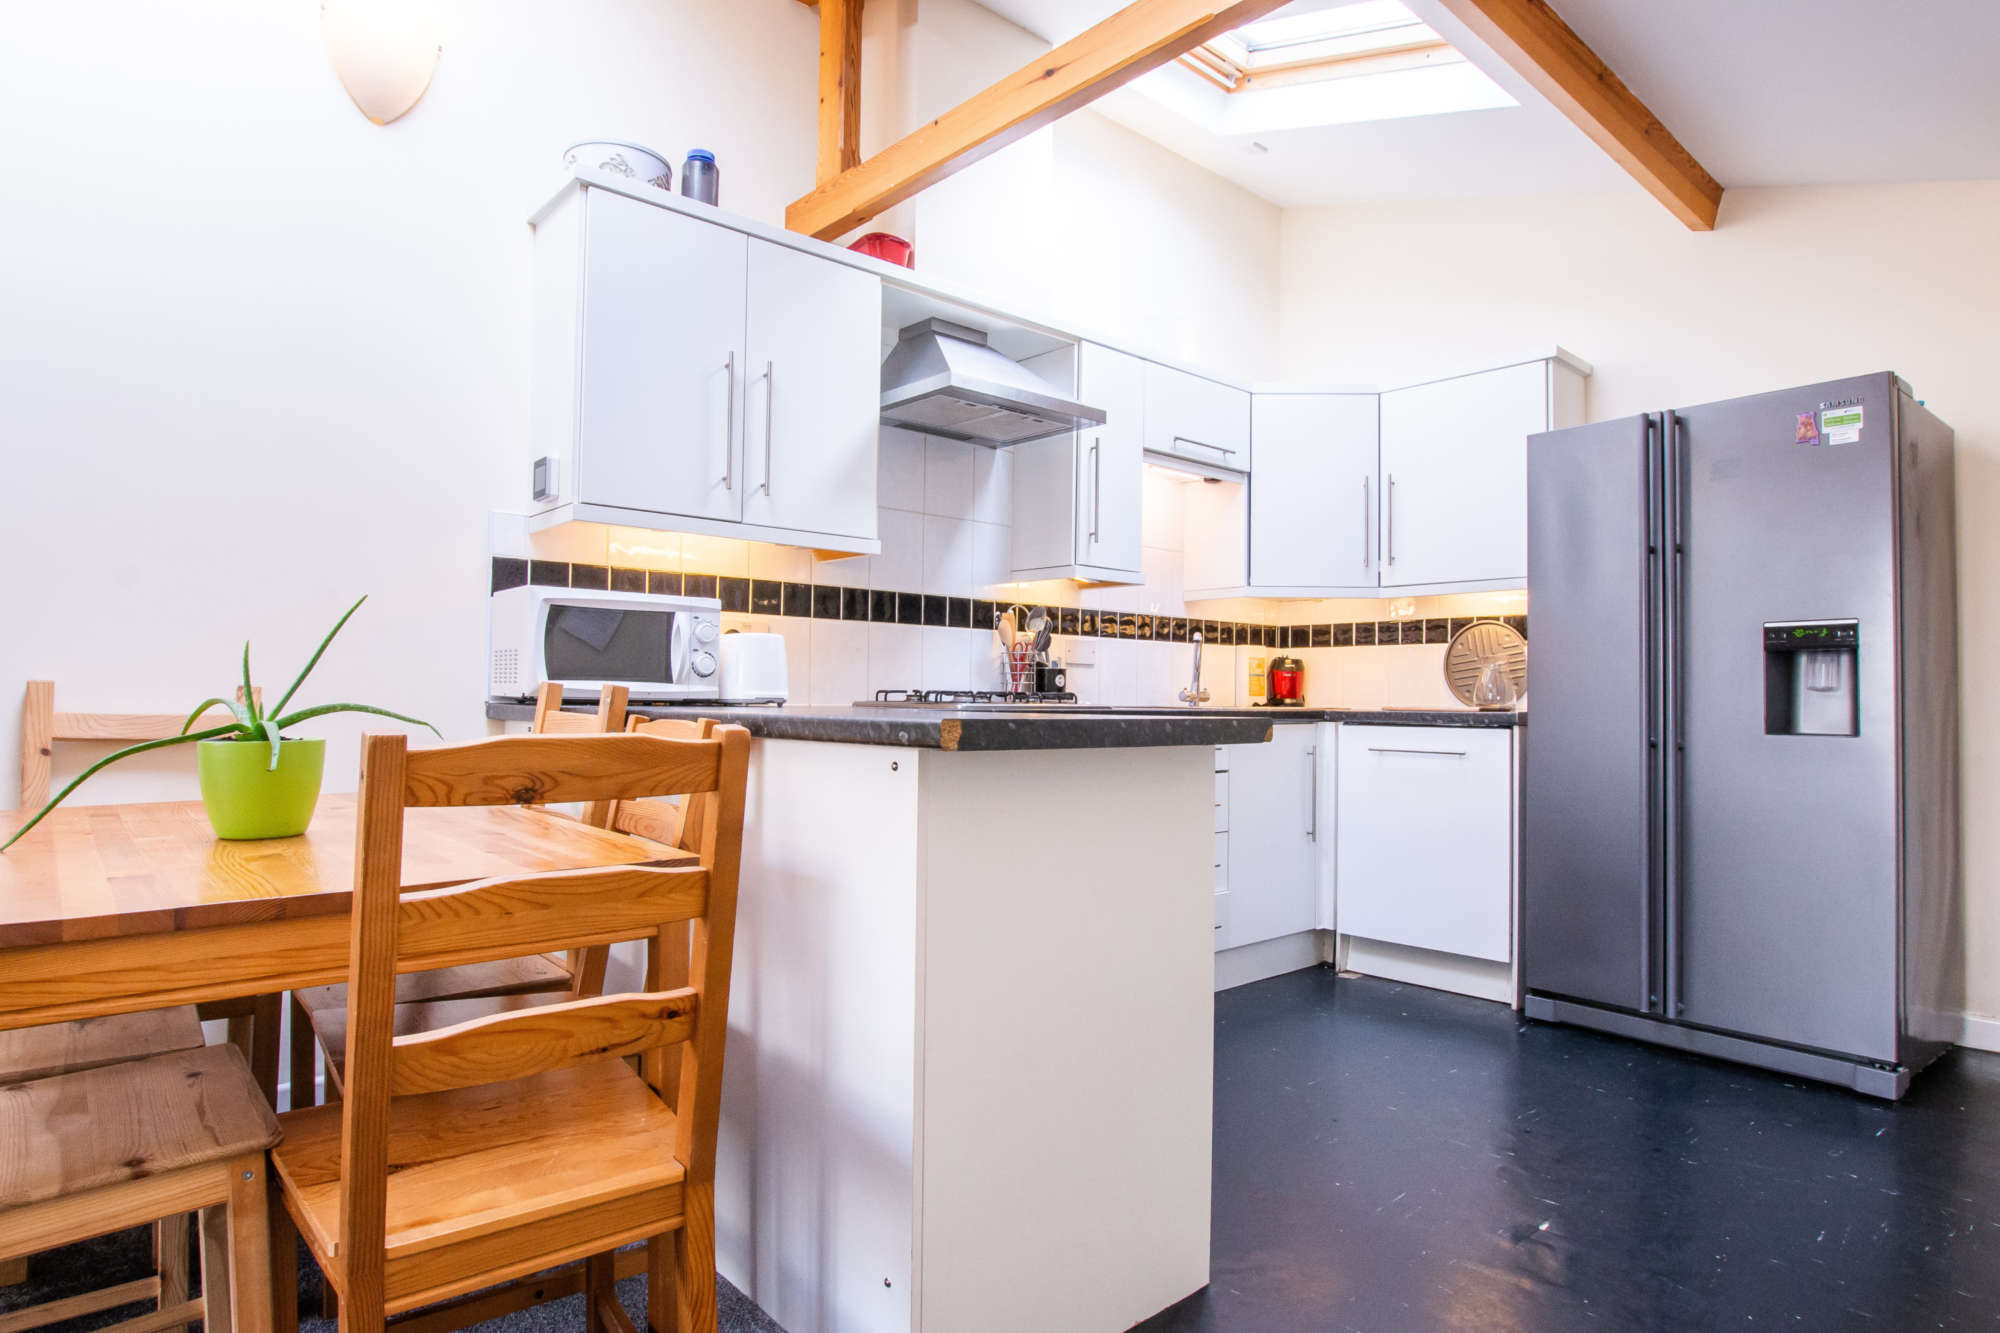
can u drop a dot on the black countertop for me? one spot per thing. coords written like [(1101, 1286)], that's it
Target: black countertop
[(957, 729)]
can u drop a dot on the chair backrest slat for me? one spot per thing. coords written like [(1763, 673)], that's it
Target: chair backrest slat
[(42, 726), (673, 822), (515, 1045), (551, 720), (538, 770), (532, 914), (505, 918)]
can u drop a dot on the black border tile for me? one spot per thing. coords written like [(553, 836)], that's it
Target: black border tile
[(795, 599), (767, 597), (1180, 629), (1364, 633), (628, 580), (909, 608), (1519, 624), (548, 573), (1321, 636), (664, 581), (958, 613), (699, 585), (854, 603), (509, 572), (1067, 621), (882, 607), (733, 593), (826, 601), (936, 610), (1457, 623), (983, 612), (1437, 631), (1086, 622), (1388, 631), (597, 578), (1343, 633)]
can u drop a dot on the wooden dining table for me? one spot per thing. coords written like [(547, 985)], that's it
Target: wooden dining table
[(108, 909)]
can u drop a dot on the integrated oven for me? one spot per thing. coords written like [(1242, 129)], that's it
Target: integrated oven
[(659, 648)]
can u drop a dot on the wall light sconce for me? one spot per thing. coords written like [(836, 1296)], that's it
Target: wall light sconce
[(383, 50)]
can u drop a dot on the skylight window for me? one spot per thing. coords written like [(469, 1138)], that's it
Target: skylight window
[(1324, 62)]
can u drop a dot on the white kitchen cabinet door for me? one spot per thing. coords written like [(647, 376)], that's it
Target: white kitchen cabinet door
[(1424, 837), (1312, 496), (1455, 476), (660, 383), (1273, 832), (1110, 461), (1197, 418), (813, 393)]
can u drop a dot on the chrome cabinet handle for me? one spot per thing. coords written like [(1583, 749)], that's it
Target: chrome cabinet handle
[(770, 413), (729, 434), (1365, 486), (1389, 519), (1200, 444), (1312, 769), (1391, 749), (1096, 487)]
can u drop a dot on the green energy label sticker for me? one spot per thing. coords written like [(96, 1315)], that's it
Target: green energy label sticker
[(1841, 425)]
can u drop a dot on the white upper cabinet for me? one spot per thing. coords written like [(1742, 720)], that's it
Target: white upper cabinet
[(1455, 472), (813, 389), (698, 379), (1110, 460), (1312, 494), (661, 373), (1197, 419), (1078, 502)]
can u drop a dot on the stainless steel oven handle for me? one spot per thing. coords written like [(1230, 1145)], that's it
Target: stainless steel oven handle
[(770, 415)]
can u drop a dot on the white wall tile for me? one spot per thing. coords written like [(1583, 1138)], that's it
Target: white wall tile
[(839, 662), (715, 555), (895, 657), (899, 473), (948, 472), (990, 563), (947, 658), (900, 566), (948, 556), (770, 561), (992, 486)]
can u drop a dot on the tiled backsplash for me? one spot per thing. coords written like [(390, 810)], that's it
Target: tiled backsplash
[(921, 613)]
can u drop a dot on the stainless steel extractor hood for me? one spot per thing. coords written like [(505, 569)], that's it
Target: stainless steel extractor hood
[(942, 379)]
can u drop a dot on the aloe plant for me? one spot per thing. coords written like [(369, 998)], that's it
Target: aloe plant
[(253, 723)]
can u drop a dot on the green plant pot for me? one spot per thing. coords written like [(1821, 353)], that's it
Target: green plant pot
[(247, 799)]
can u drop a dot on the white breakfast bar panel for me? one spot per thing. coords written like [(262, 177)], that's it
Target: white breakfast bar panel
[(970, 1070)]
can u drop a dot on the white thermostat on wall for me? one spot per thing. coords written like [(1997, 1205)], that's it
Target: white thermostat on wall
[(545, 478)]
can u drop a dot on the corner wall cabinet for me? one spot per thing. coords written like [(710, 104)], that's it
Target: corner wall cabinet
[(678, 385)]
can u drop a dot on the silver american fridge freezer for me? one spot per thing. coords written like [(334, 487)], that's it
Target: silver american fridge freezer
[(1741, 765)]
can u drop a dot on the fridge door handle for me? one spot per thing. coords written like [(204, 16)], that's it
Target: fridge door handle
[(1674, 702), (1651, 944)]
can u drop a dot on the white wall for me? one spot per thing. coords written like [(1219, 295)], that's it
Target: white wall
[(262, 356), (1794, 285)]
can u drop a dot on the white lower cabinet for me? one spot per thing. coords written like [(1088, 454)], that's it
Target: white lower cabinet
[(1273, 836), (1425, 853)]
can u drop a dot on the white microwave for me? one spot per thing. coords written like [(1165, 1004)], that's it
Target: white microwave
[(659, 648)]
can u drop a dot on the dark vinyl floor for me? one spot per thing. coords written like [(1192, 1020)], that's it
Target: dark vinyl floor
[(1391, 1158)]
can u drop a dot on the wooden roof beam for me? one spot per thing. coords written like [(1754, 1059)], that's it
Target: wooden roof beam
[(1140, 37), (1541, 48), (839, 87)]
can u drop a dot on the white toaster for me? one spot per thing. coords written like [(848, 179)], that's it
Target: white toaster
[(753, 669)]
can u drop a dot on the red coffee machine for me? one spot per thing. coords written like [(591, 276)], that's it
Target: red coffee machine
[(1285, 682)]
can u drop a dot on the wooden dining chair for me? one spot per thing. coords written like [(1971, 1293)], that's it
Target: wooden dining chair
[(319, 1014), (253, 1020), (27, 1054), (498, 1148), (119, 1145)]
